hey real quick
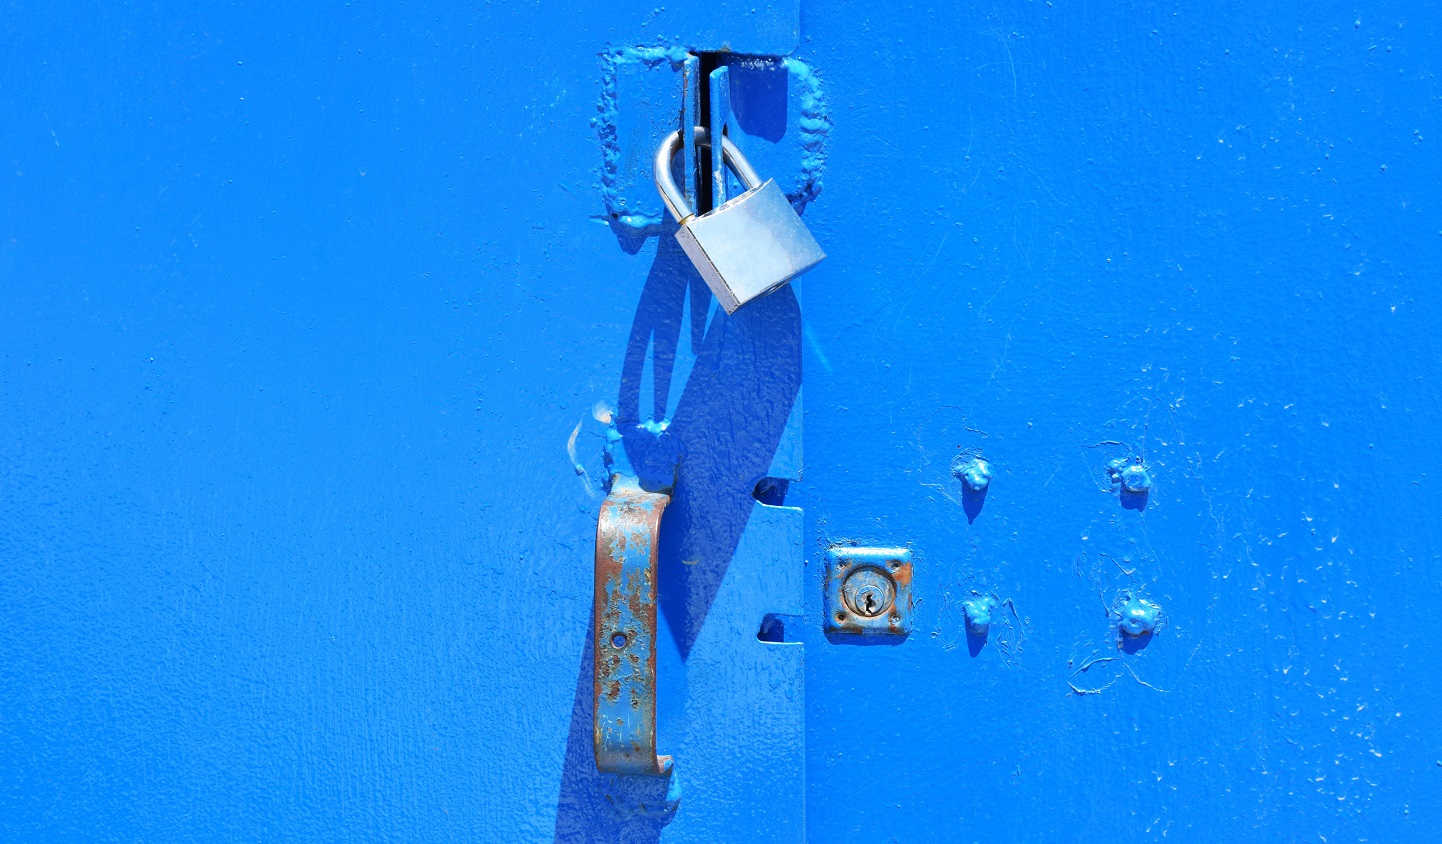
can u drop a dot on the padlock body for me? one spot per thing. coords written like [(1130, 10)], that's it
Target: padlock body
[(750, 246)]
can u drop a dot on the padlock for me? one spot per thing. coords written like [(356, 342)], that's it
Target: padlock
[(749, 246)]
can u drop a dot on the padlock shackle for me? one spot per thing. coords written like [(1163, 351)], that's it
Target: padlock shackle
[(665, 185)]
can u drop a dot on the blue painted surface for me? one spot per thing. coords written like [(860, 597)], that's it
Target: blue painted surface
[(308, 318), (1061, 234)]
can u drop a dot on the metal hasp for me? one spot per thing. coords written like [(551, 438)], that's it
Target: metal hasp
[(748, 246), (625, 643), (868, 590)]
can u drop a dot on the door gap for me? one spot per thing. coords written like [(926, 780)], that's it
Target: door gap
[(707, 63)]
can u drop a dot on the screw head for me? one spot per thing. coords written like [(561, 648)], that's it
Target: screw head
[(868, 592)]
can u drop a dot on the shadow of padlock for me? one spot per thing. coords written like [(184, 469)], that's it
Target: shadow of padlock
[(749, 246)]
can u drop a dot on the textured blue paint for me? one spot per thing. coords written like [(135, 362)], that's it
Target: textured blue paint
[(1203, 237), (309, 316)]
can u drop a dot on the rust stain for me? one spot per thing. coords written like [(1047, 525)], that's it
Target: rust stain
[(625, 635)]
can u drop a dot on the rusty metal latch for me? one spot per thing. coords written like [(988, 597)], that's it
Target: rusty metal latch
[(625, 606)]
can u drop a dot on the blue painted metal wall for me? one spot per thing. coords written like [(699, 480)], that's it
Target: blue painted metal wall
[(308, 317), (1066, 233)]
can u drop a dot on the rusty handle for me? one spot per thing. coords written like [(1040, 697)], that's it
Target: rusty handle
[(625, 633)]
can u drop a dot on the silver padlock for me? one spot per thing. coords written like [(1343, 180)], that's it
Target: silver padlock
[(749, 246)]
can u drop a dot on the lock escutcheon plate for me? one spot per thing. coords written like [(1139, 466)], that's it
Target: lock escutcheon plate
[(868, 590)]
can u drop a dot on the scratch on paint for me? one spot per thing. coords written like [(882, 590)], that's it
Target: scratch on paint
[(576, 464), (941, 489), (915, 280), (1095, 660), (816, 347)]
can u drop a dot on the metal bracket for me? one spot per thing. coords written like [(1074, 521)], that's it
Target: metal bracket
[(868, 590), (773, 101)]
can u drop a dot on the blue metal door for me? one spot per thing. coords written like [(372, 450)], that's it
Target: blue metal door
[(1075, 239), (320, 330)]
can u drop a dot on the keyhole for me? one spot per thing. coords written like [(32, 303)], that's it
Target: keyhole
[(868, 591)]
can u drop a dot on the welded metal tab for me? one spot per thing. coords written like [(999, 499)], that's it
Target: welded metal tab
[(720, 103), (625, 637)]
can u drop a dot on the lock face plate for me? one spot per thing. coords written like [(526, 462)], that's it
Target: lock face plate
[(868, 590), (749, 246)]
